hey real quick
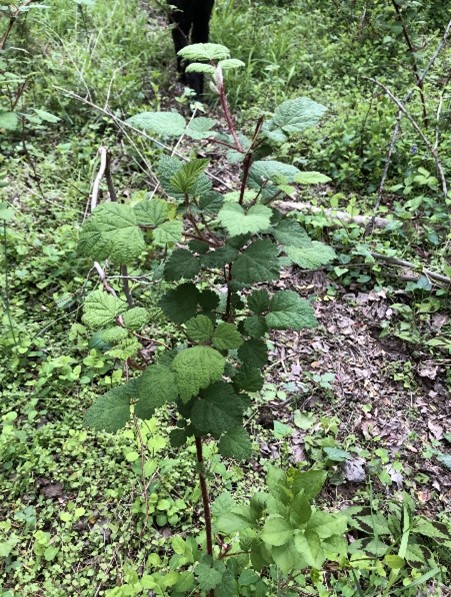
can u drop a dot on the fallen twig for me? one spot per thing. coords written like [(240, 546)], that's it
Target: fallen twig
[(412, 266), (340, 217)]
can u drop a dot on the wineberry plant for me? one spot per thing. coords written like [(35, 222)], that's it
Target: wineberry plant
[(218, 253)]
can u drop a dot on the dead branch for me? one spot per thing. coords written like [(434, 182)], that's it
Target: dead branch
[(413, 267), (337, 217)]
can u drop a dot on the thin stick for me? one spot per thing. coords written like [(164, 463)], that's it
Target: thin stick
[(205, 497), (415, 125), (96, 186), (401, 262)]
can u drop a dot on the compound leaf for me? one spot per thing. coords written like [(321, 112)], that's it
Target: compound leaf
[(258, 301), (181, 264), (289, 311), (168, 233), (217, 411), (258, 263), (111, 411), (236, 444), (294, 116), (253, 353), (311, 257), (180, 304), (102, 308), (135, 318), (156, 386), (185, 178), (199, 329), (236, 221), (290, 232), (112, 232), (196, 368), (151, 212), (165, 124), (226, 337)]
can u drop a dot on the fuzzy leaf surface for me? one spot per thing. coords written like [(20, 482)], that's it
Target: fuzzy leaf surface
[(180, 304), (291, 233), (311, 257), (196, 368), (113, 335), (112, 232), (255, 326), (253, 353), (236, 444), (200, 128), (226, 337), (294, 116), (258, 263), (185, 178), (264, 170), (168, 233), (289, 311), (102, 308), (111, 411), (258, 301), (165, 124), (199, 329), (151, 212), (217, 411), (248, 379), (276, 531), (219, 257), (8, 120), (204, 52), (236, 221), (181, 264), (135, 318), (156, 386)]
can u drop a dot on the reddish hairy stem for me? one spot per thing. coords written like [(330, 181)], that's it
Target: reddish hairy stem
[(228, 117), (205, 498)]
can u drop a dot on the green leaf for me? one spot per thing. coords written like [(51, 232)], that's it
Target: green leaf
[(227, 337), (230, 63), (264, 170), (248, 379), (236, 221), (8, 120), (113, 335), (180, 304), (204, 52), (200, 128), (219, 257), (394, 562), (46, 116), (177, 438), (277, 531), (255, 326), (289, 311), (208, 578), (294, 116), (151, 212), (290, 232), (444, 459), (310, 482), (199, 67), (300, 509), (432, 529), (337, 455), (311, 178), (196, 368), (199, 329), (166, 124), (181, 264), (258, 301), (253, 353), (156, 387), (208, 300), (308, 545), (102, 308), (111, 411), (236, 444), (168, 233), (6, 213), (232, 522), (135, 318), (287, 557), (312, 257), (326, 524), (112, 233), (258, 263), (218, 410), (186, 177), (127, 349)]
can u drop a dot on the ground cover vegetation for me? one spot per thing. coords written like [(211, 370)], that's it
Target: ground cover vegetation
[(225, 338)]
